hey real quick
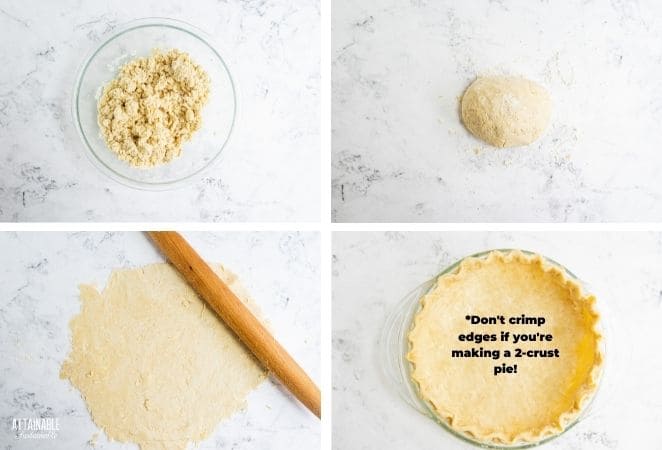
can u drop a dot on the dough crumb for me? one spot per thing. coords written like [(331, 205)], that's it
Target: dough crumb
[(93, 440), (153, 107)]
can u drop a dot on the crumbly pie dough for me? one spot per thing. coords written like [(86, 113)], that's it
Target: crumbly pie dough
[(506, 111), (153, 107), (154, 364), (546, 394)]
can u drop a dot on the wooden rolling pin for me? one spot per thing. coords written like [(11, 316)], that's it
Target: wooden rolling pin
[(233, 312)]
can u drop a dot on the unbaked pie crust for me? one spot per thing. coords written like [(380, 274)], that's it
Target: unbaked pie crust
[(546, 394)]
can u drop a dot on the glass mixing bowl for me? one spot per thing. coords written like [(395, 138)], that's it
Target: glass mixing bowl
[(394, 346), (137, 39)]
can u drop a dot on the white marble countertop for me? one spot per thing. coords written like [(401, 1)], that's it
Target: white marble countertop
[(268, 172), (621, 269), (39, 295), (400, 153)]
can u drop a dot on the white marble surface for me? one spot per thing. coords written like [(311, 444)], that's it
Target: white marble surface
[(622, 269), (268, 172), (401, 154), (39, 295)]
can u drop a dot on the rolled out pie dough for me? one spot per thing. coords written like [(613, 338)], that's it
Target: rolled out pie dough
[(506, 111), (153, 363)]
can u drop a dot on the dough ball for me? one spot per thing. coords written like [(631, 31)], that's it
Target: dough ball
[(506, 111)]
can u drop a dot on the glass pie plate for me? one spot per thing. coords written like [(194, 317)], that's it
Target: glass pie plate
[(394, 346), (137, 39)]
